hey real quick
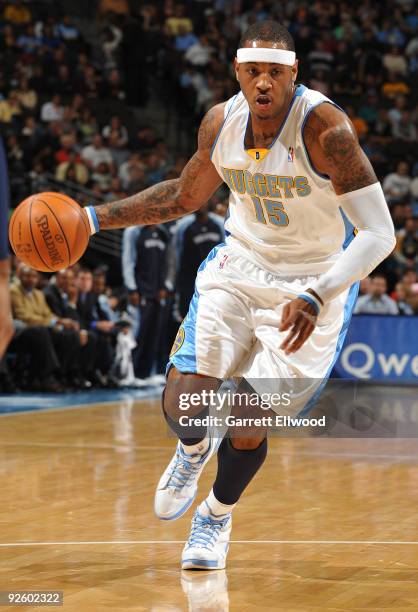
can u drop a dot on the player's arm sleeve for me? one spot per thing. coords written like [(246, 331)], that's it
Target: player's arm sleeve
[(129, 257), (366, 208)]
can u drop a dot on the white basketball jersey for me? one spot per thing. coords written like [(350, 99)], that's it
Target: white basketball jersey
[(282, 212)]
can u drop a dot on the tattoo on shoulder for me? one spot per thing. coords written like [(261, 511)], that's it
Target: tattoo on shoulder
[(348, 165), (209, 127)]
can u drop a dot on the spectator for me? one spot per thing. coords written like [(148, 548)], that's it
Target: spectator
[(10, 108), (400, 296), (376, 301), (199, 54), (178, 22), (17, 13), (144, 259), (96, 153), (406, 251), (52, 110), (194, 237), (27, 97), (92, 318), (72, 170), (58, 297), (30, 309), (405, 129), (396, 184), (115, 126)]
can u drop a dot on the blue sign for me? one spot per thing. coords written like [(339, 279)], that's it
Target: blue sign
[(380, 348)]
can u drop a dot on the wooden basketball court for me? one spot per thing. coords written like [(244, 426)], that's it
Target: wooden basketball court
[(327, 525)]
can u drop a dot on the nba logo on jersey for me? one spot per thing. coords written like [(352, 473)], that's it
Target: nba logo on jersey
[(257, 155), (291, 154)]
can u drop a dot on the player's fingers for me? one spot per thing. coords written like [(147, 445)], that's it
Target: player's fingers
[(286, 318), (301, 338), (293, 333)]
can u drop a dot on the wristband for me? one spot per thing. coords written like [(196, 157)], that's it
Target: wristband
[(93, 221), (311, 299)]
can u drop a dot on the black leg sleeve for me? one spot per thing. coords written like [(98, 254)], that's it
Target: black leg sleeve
[(236, 468)]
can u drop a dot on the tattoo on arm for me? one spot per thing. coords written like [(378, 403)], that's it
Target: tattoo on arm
[(332, 137), (171, 199)]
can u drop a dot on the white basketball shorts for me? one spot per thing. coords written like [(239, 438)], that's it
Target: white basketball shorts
[(232, 327)]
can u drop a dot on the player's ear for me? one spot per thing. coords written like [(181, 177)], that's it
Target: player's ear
[(295, 70), (236, 69)]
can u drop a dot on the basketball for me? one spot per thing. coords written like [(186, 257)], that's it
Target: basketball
[(49, 231)]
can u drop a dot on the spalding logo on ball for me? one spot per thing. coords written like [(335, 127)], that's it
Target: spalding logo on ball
[(49, 231)]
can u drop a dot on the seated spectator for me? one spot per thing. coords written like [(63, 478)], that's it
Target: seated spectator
[(405, 129), (400, 295), (92, 317), (178, 22), (406, 251), (184, 39), (29, 42), (376, 301), (200, 53), (72, 170), (52, 110), (96, 153), (119, 155), (10, 108), (67, 148), (395, 112), (87, 125), (27, 97), (395, 86), (102, 176), (360, 124), (396, 184), (58, 295), (394, 61), (17, 13), (126, 169), (115, 126), (31, 309), (115, 190)]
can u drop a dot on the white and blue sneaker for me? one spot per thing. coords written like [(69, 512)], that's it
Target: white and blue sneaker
[(177, 487), (208, 543)]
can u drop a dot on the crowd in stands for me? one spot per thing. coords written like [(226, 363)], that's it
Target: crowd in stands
[(66, 109)]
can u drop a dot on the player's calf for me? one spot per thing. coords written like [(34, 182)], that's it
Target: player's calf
[(177, 487)]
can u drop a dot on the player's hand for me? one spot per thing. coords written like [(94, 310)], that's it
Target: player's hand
[(300, 317)]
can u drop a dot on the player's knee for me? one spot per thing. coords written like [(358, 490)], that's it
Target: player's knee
[(246, 443), (181, 394)]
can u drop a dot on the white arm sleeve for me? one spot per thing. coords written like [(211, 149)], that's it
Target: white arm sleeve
[(366, 208)]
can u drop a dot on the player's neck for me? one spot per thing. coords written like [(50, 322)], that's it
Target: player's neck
[(264, 130)]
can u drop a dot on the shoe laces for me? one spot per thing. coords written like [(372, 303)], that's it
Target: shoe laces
[(182, 472), (205, 531)]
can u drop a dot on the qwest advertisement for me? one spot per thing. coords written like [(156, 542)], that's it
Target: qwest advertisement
[(380, 348)]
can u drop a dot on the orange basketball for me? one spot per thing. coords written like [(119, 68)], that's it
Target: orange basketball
[(49, 231)]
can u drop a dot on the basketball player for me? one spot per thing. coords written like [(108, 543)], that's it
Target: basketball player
[(275, 300), (6, 324)]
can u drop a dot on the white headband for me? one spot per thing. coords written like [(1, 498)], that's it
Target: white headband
[(266, 54)]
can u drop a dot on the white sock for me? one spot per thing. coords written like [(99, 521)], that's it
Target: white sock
[(211, 506), (196, 449)]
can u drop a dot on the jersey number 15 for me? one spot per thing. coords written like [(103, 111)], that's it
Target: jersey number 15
[(270, 212)]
